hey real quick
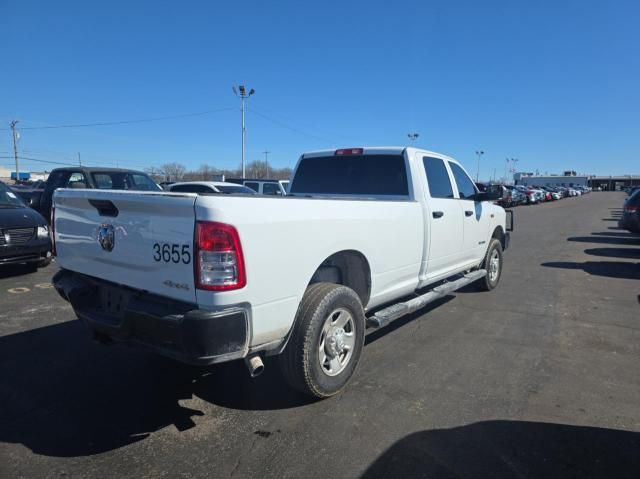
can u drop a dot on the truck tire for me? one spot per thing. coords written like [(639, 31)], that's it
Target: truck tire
[(326, 342), (493, 264)]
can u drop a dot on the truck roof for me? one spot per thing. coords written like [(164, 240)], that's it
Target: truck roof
[(377, 150)]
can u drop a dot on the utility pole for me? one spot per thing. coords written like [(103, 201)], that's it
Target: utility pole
[(266, 160), (413, 137), (243, 95), (79, 160), (15, 148), (479, 153)]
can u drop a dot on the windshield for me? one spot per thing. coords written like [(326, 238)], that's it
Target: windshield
[(8, 198), (120, 180), (237, 189)]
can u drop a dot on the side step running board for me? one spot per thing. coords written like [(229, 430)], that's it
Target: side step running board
[(395, 311)]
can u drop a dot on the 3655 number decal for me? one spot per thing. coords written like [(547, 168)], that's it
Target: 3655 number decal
[(172, 253)]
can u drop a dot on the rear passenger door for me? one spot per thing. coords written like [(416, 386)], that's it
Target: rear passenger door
[(474, 215), (444, 221)]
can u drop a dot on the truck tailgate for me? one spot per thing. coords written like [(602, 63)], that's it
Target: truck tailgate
[(140, 240)]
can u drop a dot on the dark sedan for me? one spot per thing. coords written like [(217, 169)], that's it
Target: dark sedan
[(24, 234), (630, 219)]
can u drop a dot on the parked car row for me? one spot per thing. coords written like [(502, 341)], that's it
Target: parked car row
[(515, 195)]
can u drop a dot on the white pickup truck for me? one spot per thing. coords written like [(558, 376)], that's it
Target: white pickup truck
[(366, 236)]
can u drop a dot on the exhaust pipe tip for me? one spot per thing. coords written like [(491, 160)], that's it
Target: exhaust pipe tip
[(254, 365)]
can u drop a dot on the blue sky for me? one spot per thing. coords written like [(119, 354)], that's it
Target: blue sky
[(554, 84)]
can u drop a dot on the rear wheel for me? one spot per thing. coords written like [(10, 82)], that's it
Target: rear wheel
[(493, 264), (327, 340)]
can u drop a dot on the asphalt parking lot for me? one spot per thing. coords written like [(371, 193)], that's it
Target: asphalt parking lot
[(538, 378)]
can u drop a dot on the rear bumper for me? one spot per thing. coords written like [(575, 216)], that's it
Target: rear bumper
[(171, 328), (30, 252)]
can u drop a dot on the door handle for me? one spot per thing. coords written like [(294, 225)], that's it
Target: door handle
[(438, 214), (468, 213)]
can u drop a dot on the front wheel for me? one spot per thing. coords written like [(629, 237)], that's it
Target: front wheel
[(493, 264), (327, 340)]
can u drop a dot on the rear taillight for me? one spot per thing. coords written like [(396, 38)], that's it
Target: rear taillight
[(52, 231), (631, 209), (219, 263)]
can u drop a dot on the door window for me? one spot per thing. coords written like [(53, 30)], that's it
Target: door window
[(466, 188), (76, 180), (437, 178), (253, 185), (271, 189)]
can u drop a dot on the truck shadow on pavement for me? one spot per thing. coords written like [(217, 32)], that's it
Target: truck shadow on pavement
[(631, 253), (628, 240), (610, 269), (512, 449), (63, 395)]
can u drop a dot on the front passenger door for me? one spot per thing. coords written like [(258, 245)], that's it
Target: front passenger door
[(474, 215), (444, 220)]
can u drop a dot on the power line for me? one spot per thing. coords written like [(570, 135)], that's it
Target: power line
[(40, 161), (289, 127), (124, 122)]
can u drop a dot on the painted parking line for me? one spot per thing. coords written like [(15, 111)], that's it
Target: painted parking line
[(43, 285)]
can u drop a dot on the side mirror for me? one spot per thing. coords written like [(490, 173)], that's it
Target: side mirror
[(493, 193)]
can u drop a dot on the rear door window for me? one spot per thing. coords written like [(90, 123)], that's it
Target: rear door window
[(140, 182), (437, 178), (102, 181)]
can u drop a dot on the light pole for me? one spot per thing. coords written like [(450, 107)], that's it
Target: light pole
[(513, 167), (413, 137), (266, 160), (243, 95), (15, 148), (479, 153)]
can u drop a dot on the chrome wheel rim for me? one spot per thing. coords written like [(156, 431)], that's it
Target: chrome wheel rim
[(494, 266), (337, 341)]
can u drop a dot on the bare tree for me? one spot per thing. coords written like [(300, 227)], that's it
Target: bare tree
[(257, 169), (281, 173), (173, 171), (155, 173)]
